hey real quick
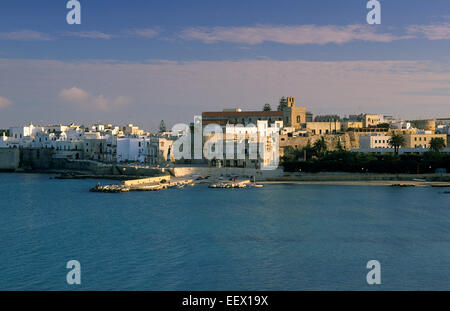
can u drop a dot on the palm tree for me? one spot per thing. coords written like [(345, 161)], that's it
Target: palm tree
[(320, 147), (283, 103), (162, 126), (436, 144), (396, 142), (267, 107)]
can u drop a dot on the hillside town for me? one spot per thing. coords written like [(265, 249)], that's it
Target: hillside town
[(32, 146)]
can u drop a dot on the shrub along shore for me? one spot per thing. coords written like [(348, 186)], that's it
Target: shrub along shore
[(351, 162)]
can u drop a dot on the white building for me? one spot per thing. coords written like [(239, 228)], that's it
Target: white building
[(8, 142), (443, 129), (104, 143), (131, 149), (374, 141), (24, 131), (401, 125)]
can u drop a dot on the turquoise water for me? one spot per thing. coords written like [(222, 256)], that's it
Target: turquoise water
[(280, 237)]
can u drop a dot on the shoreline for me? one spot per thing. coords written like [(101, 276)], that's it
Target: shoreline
[(384, 183), (329, 178)]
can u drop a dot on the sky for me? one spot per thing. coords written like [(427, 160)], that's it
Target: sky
[(142, 61)]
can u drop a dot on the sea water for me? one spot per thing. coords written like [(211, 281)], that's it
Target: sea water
[(280, 237)]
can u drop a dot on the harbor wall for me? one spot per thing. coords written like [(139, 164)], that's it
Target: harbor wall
[(9, 159), (222, 171), (92, 167), (136, 170), (36, 159), (146, 180)]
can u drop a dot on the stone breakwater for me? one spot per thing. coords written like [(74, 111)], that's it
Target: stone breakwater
[(142, 187), (166, 182), (144, 184), (230, 184)]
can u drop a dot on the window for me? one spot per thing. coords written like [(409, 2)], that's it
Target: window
[(298, 119)]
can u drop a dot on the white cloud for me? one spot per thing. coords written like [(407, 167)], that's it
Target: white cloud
[(89, 34), (431, 32), (100, 103), (74, 95), (121, 101), (176, 91), (4, 102), (25, 35), (252, 35), (86, 100), (295, 35), (145, 33)]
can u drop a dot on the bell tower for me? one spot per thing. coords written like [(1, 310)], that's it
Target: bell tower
[(294, 116)]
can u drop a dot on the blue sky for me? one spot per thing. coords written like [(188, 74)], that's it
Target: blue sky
[(144, 61)]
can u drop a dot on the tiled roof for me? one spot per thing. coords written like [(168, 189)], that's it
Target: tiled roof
[(243, 114)]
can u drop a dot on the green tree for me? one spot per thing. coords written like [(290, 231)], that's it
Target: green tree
[(267, 107), (162, 126), (437, 144), (307, 151), (283, 103), (320, 147), (339, 147), (292, 154), (396, 142)]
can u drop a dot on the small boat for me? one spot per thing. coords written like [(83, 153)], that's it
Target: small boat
[(256, 185)]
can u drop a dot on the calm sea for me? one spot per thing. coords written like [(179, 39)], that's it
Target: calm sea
[(280, 237)]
